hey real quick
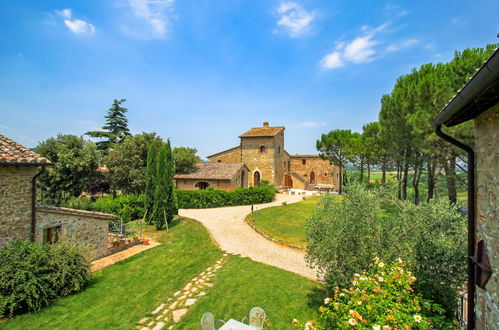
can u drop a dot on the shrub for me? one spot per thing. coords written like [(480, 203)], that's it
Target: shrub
[(197, 199), (128, 207), (346, 232), (381, 298), (32, 275)]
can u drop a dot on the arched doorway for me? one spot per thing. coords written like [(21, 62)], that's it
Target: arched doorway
[(312, 177), (242, 179), (256, 179), (202, 185), (288, 182)]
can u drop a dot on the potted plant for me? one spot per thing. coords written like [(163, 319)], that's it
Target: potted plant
[(116, 244), (122, 242), (136, 238), (145, 241)]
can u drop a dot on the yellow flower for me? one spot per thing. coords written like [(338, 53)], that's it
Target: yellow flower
[(327, 301), (381, 279), (381, 265), (359, 302), (356, 275), (355, 315), (352, 322), (399, 260), (342, 294), (376, 327), (294, 322), (391, 317), (417, 318), (376, 259), (387, 327), (309, 326), (321, 309)]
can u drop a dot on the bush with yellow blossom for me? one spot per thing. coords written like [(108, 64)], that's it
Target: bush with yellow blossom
[(379, 299)]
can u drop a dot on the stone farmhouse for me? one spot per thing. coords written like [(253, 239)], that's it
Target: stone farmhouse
[(22, 218), (260, 156)]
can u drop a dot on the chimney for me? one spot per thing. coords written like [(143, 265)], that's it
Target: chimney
[(265, 124)]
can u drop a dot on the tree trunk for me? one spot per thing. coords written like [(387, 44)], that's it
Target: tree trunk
[(404, 180), (450, 177), (383, 174), (340, 190), (361, 172), (415, 181), (430, 180), (368, 174), (399, 180)]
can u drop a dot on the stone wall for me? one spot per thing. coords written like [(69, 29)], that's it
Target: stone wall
[(324, 172), (88, 228), (487, 215), (229, 156), (15, 202), (262, 162)]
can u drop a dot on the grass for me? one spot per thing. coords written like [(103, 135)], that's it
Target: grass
[(121, 294), (286, 223)]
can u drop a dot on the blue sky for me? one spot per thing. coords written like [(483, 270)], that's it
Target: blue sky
[(203, 72)]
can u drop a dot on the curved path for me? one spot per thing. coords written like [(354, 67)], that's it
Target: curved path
[(228, 227)]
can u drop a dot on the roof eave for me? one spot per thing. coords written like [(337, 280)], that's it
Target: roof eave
[(453, 114)]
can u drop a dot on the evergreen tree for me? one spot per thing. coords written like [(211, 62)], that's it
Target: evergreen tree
[(171, 203), (115, 129), (150, 180), (161, 189)]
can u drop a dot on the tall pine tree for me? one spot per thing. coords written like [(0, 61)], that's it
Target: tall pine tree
[(115, 129), (150, 179)]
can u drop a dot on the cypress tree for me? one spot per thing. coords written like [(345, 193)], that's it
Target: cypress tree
[(171, 202), (161, 190), (150, 179)]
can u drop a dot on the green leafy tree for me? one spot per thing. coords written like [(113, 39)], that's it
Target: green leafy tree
[(76, 161), (150, 179), (185, 159), (127, 162), (115, 129), (334, 146)]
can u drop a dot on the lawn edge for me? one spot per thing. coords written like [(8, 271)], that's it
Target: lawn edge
[(272, 239)]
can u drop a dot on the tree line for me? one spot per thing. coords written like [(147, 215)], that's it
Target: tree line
[(115, 163), (403, 140)]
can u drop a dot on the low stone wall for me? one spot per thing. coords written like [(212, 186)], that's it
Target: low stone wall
[(89, 228)]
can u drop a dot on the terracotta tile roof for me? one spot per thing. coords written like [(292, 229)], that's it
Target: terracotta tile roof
[(12, 153), (213, 171), (262, 131), (222, 152)]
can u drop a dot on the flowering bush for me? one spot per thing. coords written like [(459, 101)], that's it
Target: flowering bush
[(380, 299)]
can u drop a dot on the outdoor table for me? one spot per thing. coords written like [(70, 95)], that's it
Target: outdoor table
[(235, 325)]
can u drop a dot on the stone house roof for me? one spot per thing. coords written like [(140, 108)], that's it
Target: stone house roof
[(223, 151), (12, 153), (213, 171), (263, 131), (88, 214)]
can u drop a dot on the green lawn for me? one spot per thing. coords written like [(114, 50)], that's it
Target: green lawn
[(121, 294), (286, 223)]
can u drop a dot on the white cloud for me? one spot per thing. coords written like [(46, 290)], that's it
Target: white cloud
[(359, 50), (4, 127), (76, 26), (294, 19), (312, 124), (154, 12), (401, 45), (332, 60)]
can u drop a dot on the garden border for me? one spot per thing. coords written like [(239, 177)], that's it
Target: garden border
[(272, 239)]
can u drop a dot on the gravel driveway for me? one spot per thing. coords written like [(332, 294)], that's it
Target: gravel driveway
[(234, 235)]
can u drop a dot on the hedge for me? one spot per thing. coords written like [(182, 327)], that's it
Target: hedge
[(200, 199), (32, 275)]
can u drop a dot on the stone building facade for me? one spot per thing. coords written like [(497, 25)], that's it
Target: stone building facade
[(262, 150), (20, 218), (487, 211), (225, 176)]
